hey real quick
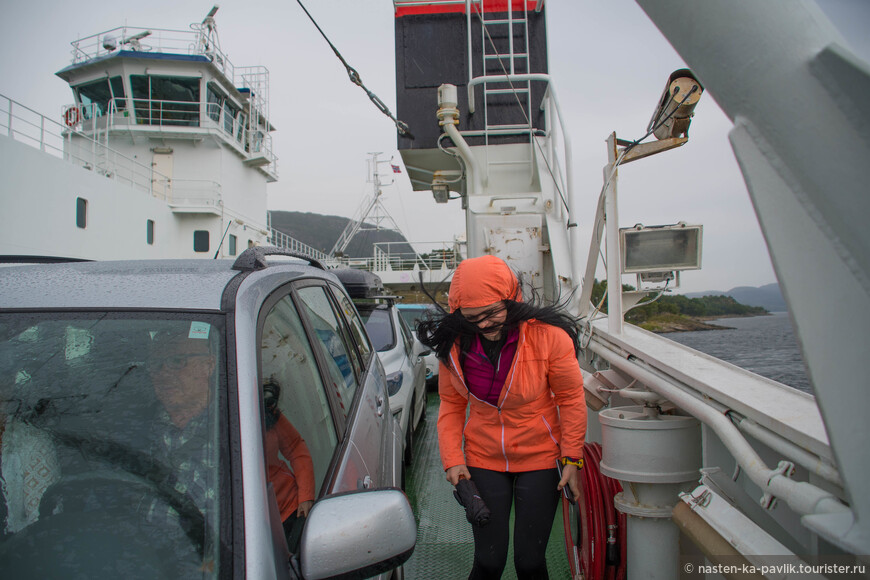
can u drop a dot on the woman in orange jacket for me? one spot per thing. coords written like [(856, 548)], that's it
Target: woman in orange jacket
[(512, 408), (294, 488)]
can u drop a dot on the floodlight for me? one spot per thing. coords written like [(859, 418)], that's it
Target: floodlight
[(669, 248)]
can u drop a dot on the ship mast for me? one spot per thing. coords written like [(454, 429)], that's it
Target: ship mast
[(370, 211)]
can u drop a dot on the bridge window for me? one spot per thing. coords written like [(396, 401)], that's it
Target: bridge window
[(200, 241), (225, 113), (81, 212), (160, 100), (230, 113), (240, 133), (99, 97), (149, 232), (215, 103), (232, 245)]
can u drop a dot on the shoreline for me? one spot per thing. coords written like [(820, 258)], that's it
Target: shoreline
[(689, 325), (667, 323)]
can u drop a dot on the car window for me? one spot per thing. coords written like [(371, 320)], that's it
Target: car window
[(288, 362), (379, 325), (411, 316), (110, 428), (330, 340), (357, 328), (408, 337)]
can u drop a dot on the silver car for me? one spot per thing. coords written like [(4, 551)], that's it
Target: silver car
[(400, 352), (169, 418)]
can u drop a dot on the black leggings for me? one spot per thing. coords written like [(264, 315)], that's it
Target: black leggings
[(535, 506)]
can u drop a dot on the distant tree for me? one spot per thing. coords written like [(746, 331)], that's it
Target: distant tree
[(704, 306)]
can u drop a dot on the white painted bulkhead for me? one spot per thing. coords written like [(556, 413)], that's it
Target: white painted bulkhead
[(168, 150), (42, 192)]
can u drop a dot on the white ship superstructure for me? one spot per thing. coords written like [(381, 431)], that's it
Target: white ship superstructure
[(165, 153)]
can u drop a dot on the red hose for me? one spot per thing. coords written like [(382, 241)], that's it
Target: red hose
[(599, 522)]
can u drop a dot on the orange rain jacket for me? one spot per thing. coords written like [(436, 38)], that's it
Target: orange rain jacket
[(541, 412)]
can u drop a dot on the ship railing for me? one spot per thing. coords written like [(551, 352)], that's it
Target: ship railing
[(397, 4), (180, 117), (23, 124), (282, 240), (27, 126), (193, 42), (552, 147), (164, 113), (402, 256)]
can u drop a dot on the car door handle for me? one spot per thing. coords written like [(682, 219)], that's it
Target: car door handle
[(380, 408)]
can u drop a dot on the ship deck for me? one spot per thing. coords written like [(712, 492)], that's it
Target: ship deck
[(445, 547)]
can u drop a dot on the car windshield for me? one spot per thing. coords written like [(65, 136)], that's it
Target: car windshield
[(411, 314), (379, 326), (109, 445)]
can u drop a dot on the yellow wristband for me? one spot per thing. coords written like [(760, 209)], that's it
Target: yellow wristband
[(573, 461)]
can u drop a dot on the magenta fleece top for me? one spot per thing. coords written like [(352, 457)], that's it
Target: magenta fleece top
[(484, 380)]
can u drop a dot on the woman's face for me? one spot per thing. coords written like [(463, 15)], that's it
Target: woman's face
[(484, 317)]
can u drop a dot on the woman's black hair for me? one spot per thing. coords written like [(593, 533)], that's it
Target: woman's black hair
[(439, 331)]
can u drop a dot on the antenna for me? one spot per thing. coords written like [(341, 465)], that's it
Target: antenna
[(210, 39), (133, 41), (371, 209)]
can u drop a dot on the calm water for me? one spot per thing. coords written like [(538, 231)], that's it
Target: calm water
[(765, 345)]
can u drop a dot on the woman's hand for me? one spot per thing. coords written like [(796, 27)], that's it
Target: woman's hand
[(457, 472), (304, 508), (571, 478)]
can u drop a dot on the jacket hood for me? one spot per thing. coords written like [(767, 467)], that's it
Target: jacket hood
[(482, 281)]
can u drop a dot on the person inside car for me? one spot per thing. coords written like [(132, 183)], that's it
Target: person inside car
[(182, 370), (289, 467)]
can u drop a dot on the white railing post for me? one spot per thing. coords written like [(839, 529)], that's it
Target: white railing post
[(611, 221)]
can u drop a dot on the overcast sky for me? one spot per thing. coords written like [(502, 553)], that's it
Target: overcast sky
[(609, 62)]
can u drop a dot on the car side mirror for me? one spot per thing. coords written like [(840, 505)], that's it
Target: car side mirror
[(359, 533)]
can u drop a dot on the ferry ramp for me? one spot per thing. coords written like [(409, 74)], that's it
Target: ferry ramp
[(445, 546)]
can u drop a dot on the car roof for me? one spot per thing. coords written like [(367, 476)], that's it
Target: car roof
[(151, 284)]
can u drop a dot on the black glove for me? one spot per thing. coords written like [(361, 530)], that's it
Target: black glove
[(468, 497)]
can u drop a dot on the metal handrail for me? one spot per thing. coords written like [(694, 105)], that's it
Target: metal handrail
[(160, 40), (282, 240), (515, 78), (161, 113), (23, 124)]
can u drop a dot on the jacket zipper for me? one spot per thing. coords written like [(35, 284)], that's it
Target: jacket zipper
[(511, 373)]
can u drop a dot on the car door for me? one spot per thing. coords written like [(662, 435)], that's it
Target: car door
[(364, 457), (333, 394), (375, 382), (418, 367)]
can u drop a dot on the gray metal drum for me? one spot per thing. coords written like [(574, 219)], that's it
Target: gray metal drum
[(646, 447)]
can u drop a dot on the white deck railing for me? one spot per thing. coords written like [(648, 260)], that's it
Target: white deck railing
[(25, 125), (157, 40)]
